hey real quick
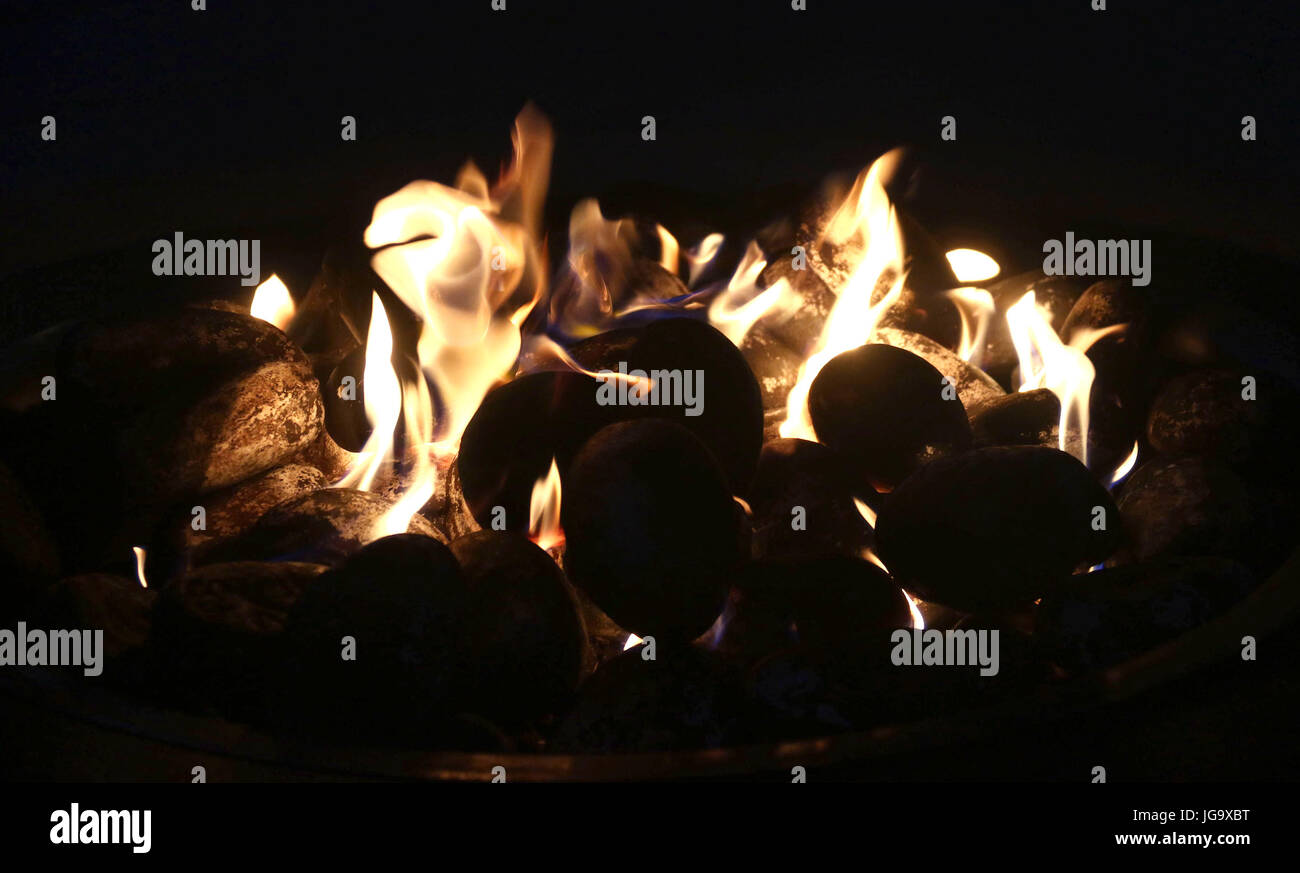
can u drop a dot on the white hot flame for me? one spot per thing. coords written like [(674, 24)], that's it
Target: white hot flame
[(975, 305), (272, 303), (971, 265), (740, 305)]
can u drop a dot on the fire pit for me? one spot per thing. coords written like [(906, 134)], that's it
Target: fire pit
[(638, 506)]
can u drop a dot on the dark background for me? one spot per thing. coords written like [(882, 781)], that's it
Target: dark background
[(228, 119)]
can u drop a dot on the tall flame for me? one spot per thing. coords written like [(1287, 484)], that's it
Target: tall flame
[(1064, 369), (383, 400), (866, 214), (272, 302)]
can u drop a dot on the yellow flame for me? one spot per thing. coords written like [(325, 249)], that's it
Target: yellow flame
[(544, 510), (139, 566), (383, 400), (1125, 467), (272, 303), (740, 305), (975, 305), (867, 214), (866, 511), (632, 642), (668, 258), (918, 620), (972, 265), (1047, 362)]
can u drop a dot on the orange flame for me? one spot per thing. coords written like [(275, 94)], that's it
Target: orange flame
[(867, 214), (1047, 362), (139, 566), (272, 303), (544, 510)]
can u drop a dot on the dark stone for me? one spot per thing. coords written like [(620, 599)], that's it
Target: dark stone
[(216, 633), (1203, 413), (1184, 507), (405, 603), (884, 411), (682, 699), (323, 527), (1107, 617), (798, 473), (525, 638), (731, 421), (651, 529), (994, 527)]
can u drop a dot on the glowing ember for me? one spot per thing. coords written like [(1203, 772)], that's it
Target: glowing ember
[(139, 566), (272, 303), (866, 215), (970, 265), (544, 510)]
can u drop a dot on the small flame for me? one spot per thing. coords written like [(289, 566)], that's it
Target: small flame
[(668, 247), (1125, 467), (272, 303), (1046, 362), (740, 305), (867, 214), (975, 305), (383, 400), (918, 620), (971, 265), (632, 642), (139, 566), (866, 511), (544, 510), (702, 255)]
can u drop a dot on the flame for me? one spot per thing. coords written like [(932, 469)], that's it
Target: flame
[(971, 265), (975, 305), (383, 400), (668, 257), (544, 510), (867, 214), (740, 305), (866, 511), (466, 260), (1047, 362), (1125, 467), (632, 642), (702, 255), (918, 620), (272, 303), (139, 566)]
